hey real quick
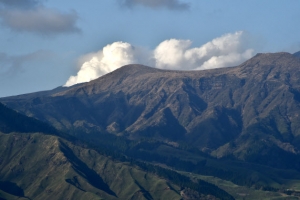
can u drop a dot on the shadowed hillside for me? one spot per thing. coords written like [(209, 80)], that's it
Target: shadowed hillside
[(11, 121), (45, 166)]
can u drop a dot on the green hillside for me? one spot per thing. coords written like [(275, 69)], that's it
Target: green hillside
[(49, 164), (37, 166)]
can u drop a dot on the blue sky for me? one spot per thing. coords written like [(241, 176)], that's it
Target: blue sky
[(45, 42)]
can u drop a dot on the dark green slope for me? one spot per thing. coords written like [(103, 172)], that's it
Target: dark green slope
[(41, 166), (38, 166), (45, 166), (11, 121)]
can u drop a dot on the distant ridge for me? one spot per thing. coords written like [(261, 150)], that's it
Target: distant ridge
[(12, 121), (297, 54), (43, 93)]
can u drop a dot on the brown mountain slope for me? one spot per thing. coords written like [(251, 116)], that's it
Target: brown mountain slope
[(222, 111)]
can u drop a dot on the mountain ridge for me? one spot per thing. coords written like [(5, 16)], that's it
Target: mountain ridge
[(215, 111), (39, 164), (239, 123), (46, 167), (297, 54)]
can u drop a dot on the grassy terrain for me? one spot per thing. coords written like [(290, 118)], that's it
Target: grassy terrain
[(37, 166), (244, 193), (241, 173)]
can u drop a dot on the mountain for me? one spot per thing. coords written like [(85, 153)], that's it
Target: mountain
[(205, 108), (11, 121), (242, 117), (37, 166), (297, 54), (40, 163)]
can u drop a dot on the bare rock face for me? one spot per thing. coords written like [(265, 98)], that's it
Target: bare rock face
[(224, 111)]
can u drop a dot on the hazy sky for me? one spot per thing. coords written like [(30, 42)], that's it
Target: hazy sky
[(45, 44)]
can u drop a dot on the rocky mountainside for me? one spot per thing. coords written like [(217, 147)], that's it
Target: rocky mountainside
[(249, 112)]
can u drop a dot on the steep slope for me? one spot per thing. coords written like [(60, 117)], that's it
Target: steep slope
[(37, 166), (249, 112), (11, 121), (269, 103), (46, 166), (135, 100)]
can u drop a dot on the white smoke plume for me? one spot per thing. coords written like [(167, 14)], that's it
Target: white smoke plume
[(110, 58), (225, 51)]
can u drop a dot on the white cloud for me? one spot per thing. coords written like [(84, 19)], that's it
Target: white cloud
[(170, 54), (229, 60), (110, 58), (225, 51)]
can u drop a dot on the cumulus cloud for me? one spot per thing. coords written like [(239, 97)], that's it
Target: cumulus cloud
[(170, 4), (225, 51), (32, 16), (110, 58)]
